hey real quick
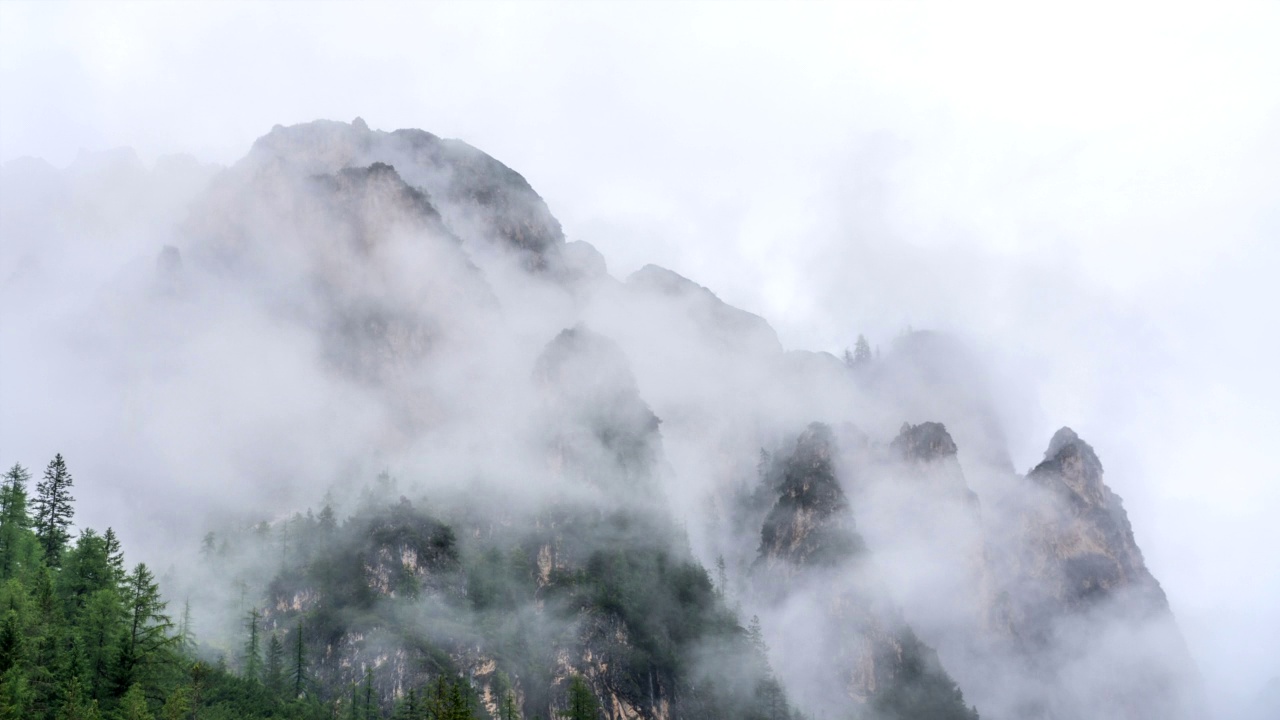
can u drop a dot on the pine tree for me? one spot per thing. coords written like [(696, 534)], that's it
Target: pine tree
[(115, 556), (508, 709), (186, 637), (14, 521), (328, 523), (101, 629), (146, 645), (12, 642), (133, 706), (861, 351), (178, 706), (299, 675), (253, 648), (370, 708), (755, 635), (722, 576), (15, 695), (582, 702), (207, 544), (409, 709), (86, 570), (76, 705), (274, 673), (16, 477), (53, 510)]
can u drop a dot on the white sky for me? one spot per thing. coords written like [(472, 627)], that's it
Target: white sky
[(1090, 193)]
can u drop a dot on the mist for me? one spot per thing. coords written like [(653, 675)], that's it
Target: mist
[(1085, 201)]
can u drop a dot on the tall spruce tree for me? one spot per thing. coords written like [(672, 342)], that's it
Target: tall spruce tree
[(273, 675), (133, 706), (101, 626), (508, 709), (299, 675), (370, 707), (115, 556), (14, 521), (186, 637), (582, 702), (861, 351), (15, 477), (147, 646), (253, 647), (53, 511)]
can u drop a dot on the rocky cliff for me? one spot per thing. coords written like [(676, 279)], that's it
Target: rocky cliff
[(584, 447)]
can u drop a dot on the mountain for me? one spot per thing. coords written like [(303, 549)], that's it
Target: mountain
[(440, 452)]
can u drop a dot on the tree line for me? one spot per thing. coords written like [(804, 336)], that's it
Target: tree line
[(83, 636)]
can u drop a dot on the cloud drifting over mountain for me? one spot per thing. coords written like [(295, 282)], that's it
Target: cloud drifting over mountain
[(1088, 200)]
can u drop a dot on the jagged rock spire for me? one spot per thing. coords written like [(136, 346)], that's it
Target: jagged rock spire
[(811, 523)]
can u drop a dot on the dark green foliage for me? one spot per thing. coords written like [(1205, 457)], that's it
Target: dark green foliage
[(273, 671), (115, 556), (82, 639), (252, 659), (582, 702), (53, 511), (508, 708), (298, 676), (133, 706), (147, 645), (14, 523)]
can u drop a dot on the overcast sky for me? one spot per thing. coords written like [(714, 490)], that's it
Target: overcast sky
[(1090, 195)]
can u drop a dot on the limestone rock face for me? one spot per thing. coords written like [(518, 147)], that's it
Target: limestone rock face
[(1080, 537), (810, 524), (1090, 618), (812, 557), (481, 199)]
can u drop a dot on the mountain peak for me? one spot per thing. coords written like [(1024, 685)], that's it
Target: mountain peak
[(1064, 437), (811, 523), (736, 328), (924, 442), (482, 201)]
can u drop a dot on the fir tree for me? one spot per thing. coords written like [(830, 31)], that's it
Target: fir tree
[(146, 642), (370, 708), (274, 670), (15, 695), (14, 522), (409, 709), (177, 706), (17, 478), (76, 705), (582, 702), (299, 675), (12, 642), (115, 556), (207, 545), (186, 637), (508, 709), (253, 648), (133, 706), (861, 351), (53, 510), (328, 523), (101, 628), (86, 570)]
